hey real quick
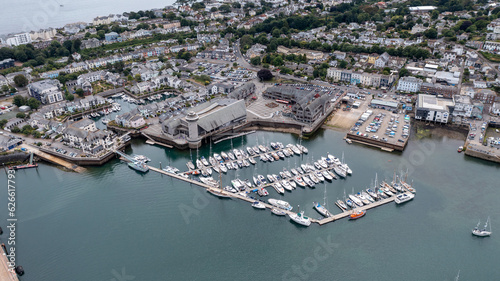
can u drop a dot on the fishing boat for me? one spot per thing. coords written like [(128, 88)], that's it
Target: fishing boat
[(280, 204), (403, 197), (357, 214), (278, 212), (482, 232), (258, 205)]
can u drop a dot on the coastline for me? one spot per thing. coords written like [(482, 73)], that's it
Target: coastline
[(50, 14)]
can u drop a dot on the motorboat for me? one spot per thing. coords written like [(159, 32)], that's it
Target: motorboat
[(280, 204), (299, 181), (218, 157), (262, 179), (327, 175), (270, 178), (204, 161), (357, 214), (256, 181), (262, 148), (258, 205), (245, 163), (277, 186), (286, 185), (320, 176), (294, 171), (231, 156), (250, 151), (224, 156), (403, 197), (252, 161), (356, 200), (308, 181), (278, 212), (223, 167), (300, 218), (262, 191), (256, 149), (302, 148), (339, 171), (190, 165), (372, 193)]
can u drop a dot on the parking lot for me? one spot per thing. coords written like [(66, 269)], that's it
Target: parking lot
[(384, 126)]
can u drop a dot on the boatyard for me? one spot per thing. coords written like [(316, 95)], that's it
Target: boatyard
[(306, 175)]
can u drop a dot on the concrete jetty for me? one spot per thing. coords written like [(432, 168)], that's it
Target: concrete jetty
[(53, 159)]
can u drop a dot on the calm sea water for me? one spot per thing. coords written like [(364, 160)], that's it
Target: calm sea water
[(113, 222), (28, 15)]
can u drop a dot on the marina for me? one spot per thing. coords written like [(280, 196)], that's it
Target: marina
[(309, 175)]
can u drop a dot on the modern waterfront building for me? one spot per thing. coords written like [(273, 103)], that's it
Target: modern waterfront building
[(433, 109), (205, 120)]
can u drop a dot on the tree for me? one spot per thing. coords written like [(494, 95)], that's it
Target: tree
[(33, 103), (3, 122), (27, 129), (15, 130), (342, 64), (5, 88), (20, 80), (255, 60), (19, 101), (236, 5), (79, 92), (21, 115), (403, 72), (70, 97), (431, 33), (265, 74)]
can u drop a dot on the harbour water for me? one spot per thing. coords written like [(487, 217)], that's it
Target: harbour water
[(113, 221), (32, 15)]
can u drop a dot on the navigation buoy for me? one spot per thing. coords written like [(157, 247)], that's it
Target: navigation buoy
[(19, 270)]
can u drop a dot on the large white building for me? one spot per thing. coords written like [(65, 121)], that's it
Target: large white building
[(463, 106), (409, 84), (19, 39), (46, 91), (433, 109)]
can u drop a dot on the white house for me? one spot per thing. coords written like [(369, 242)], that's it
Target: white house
[(409, 84)]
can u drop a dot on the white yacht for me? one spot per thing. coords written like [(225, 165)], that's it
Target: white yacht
[(300, 218), (280, 204), (482, 232), (403, 197), (258, 205), (278, 212)]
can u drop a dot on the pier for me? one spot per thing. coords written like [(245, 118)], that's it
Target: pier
[(365, 207), (243, 195), (5, 272), (53, 159), (151, 141)]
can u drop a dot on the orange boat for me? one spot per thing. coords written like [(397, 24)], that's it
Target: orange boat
[(357, 214)]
